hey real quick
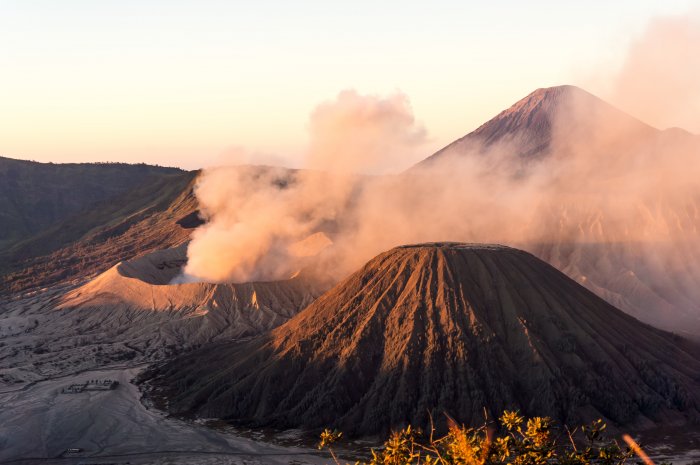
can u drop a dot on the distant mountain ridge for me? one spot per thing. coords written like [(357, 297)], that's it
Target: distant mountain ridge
[(158, 214), (34, 196), (63, 221)]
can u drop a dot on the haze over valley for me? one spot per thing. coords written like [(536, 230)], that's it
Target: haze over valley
[(537, 271)]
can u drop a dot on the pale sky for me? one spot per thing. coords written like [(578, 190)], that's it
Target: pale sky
[(181, 82)]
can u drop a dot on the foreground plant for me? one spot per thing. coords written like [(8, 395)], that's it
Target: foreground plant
[(520, 441)]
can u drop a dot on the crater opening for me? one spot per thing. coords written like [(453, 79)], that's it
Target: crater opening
[(157, 268)]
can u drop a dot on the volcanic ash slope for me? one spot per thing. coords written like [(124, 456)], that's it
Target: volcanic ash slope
[(134, 302), (451, 328)]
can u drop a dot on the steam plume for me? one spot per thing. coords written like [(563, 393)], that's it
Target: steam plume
[(604, 179), (364, 134), (659, 78), (260, 217)]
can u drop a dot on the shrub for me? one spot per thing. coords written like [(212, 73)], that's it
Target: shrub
[(518, 441)]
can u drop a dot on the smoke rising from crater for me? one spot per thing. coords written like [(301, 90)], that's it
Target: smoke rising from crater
[(364, 134), (258, 216), (596, 193)]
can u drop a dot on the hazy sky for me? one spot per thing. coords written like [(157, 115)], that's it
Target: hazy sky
[(181, 82)]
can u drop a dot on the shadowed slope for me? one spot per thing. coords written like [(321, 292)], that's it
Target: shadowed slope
[(443, 328), (138, 222), (35, 195)]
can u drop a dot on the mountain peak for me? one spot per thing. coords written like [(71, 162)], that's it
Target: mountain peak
[(547, 100), (528, 127), (553, 94), (559, 90), (452, 246)]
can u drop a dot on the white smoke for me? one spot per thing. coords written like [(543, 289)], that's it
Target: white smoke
[(608, 179)]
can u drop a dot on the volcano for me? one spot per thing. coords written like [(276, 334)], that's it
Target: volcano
[(132, 313), (136, 299), (548, 120), (605, 215), (439, 328)]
